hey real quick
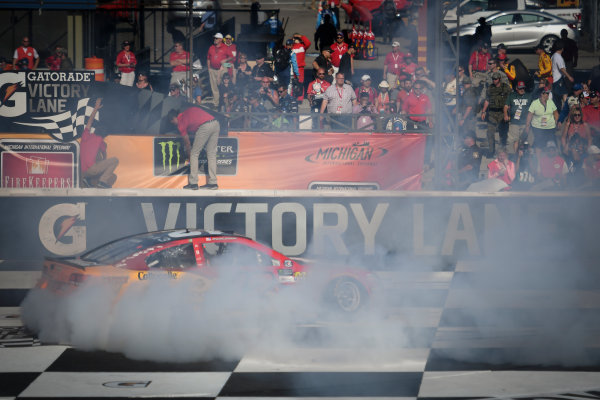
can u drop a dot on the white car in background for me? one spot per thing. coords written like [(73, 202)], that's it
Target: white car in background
[(523, 29)]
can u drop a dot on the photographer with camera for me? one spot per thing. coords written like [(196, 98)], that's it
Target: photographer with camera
[(267, 96), (525, 166)]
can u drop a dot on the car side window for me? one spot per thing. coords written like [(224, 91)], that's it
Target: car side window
[(502, 20), (225, 254), (181, 256), (530, 18)]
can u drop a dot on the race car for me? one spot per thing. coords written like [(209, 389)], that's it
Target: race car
[(202, 256)]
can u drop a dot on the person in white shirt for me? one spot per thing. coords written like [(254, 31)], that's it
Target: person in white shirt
[(559, 76)]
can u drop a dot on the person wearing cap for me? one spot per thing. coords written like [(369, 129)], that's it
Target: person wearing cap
[(275, 28), (501, 49), (365, 87), (591, 167), (366, 109), (552, 169), (284, 61), (544, 63), (179, 59), (541, 120), (478, 63), (338, 49), (591, 113), (218, 55), (323, 60), (126, 63), (382, 101), (509, 70), (205, 128), (515, 114), (301, 44), (324, 11), (174, 90), (196, 89), (409, 66), (493, 66), (262, 75), (392, 66), (493, 109)]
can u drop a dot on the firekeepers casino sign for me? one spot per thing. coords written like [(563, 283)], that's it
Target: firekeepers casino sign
[(170, 159), (44, 99), (45, 164)]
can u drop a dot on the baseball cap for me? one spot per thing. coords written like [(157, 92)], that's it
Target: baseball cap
[(396, 44), (228, 36), (340, 34), (126, 43), (520, 85), (593, 149), (501, 46), (384, 84), (174, 86), (578, 86), (496, 75), (218, 35), (289, 42), (408, 55), (326, 49), (365, 78)]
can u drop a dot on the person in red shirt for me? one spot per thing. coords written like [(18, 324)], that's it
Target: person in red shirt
[(365, 87), (502, 168), (300, 46), (591, 113), (392, 65), (218, 55), (405, 88), (206, 128), (408, 67), (96, 169), (417, 102), (552, 169), (316, 92), (478, 63), (126, 63), (180, 61), (25, 57), (337, 50)]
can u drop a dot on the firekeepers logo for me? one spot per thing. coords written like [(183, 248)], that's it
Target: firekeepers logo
[(356, 154)]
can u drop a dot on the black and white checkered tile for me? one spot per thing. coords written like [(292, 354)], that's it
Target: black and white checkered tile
[(459, 349)]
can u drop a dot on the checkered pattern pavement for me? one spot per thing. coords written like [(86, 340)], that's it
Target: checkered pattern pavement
[(470, 338)]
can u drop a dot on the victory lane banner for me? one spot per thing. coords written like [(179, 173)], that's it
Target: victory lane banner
[(38, 163)]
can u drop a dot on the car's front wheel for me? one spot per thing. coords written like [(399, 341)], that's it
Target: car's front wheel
[(547, 42), (347, 295)]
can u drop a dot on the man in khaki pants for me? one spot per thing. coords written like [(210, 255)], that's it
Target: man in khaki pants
[(206, 128)]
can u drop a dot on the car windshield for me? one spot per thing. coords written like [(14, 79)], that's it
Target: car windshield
[(114, 251)]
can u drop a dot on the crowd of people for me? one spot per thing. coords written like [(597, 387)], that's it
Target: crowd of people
[(542, 129)]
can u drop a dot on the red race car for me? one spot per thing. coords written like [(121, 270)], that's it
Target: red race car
[(202, 256)]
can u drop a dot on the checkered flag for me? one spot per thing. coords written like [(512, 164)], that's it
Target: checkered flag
[(67, 126)]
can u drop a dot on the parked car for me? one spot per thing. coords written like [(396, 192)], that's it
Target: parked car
[(201, 256), (523, 29)]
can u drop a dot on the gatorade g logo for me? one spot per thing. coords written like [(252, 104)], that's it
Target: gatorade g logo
[(61, 229), (169, 157), (13, 97)]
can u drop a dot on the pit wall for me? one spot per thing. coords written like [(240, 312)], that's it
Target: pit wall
[(376, 225)]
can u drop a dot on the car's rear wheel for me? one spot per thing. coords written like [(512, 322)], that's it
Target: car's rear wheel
[(347, 295), (547, 42)]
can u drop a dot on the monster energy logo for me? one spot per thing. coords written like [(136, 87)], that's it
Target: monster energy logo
[(172, 147)]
